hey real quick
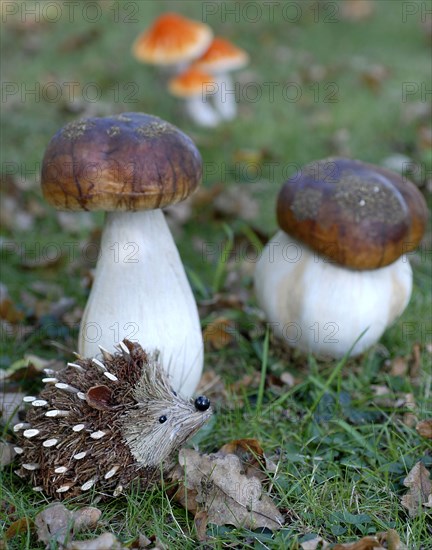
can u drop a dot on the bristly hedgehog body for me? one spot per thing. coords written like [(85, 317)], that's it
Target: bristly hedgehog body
[(105, 423)]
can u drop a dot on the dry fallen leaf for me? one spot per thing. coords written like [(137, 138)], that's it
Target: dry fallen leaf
[(317, 543), (140, 542), (235, 202), (201, 520), (357, 10), (10, 405), (373, 77), (409, 418), (21, 525), (399, 366), (57, 523), (53, 524), (28, 368), (214, 483), (8, 311), (106, 541), (388, 540), (250, 454), (219, 333), (420, 489), (424, 428), (85, 518), (415, 364), (7, 454)]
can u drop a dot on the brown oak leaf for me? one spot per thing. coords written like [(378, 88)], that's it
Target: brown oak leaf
[(218, 485), (420, 489)]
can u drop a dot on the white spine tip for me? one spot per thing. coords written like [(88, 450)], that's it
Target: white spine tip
[(20, 426), (110, 376), (111, 472), (118, 490), (29, 398), (38, 489), (78, 427), (80, 456), (81, 396), (19, 450), (31, 466), (75, 366), (60, 470), (56, 412), (30, 433), (49, 380), (50, 442), (63, 489), (124, 348), (39, 403), (97, 435), (98, 364), (88, 484), (106, 354), (66, 387), (49, 371)]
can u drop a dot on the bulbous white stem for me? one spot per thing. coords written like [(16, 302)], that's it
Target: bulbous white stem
[(224, 97), (323, 308), (201, 112), (141, 292)]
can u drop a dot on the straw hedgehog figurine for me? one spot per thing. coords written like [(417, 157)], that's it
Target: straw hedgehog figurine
[(105, 424)]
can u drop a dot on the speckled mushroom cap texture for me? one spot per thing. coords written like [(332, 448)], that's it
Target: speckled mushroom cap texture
[(131, 161), (358, 215)]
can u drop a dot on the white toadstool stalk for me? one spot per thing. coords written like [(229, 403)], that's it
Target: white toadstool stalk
[(323, 308), (192, 86), (130, 166), (220, 59), (172, 42), (337, 269)]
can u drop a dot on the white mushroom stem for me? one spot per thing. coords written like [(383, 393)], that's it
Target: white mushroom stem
[(200, 111), (322, 308), (141, 292), (225, 96)]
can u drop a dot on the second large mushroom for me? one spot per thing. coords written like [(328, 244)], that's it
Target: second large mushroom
[(337, 275), (131, 166)]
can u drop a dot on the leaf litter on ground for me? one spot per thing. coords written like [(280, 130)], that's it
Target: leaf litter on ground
[(225, 486), (419, 493)]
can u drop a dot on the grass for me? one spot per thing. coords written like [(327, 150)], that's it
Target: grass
[(342, 453)]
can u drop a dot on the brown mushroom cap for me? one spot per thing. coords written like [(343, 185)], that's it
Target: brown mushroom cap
[(131, 161), (356, 214)]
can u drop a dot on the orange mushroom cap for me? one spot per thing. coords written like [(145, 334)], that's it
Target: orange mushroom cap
[(221, 56), (190, 83), (172, 39)]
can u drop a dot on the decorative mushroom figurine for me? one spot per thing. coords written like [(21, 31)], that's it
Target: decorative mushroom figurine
[(131, 166), (220, 59), (172, 41), (192, 86), (338, 267)]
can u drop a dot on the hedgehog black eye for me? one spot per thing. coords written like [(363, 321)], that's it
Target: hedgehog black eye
[(162, 419), (202, 403)]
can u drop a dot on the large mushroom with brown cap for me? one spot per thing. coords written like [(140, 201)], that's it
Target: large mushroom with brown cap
[(131, 166), (338, 268), (172, 41), (221, 58)]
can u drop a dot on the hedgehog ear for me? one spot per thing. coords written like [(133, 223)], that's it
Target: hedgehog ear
[(99, 397)]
